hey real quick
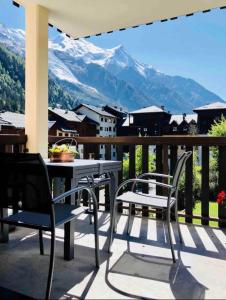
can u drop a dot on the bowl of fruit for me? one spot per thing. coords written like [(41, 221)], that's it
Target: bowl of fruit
[(63, 153)]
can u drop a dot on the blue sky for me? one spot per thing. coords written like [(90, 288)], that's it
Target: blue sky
[(193, 47)]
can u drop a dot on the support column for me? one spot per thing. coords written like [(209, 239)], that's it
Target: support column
[(36, 79)]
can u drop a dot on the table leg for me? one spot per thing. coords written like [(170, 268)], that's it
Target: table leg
[(69, 227), (69, 184), (113, 188), (4, 228)]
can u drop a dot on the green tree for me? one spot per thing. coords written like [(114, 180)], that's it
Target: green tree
[(217, 129), (138, 162)]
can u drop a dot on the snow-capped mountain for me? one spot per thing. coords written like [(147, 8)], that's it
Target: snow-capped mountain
[(100, 76)]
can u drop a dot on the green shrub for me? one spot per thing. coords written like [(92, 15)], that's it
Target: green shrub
[(138, 163)]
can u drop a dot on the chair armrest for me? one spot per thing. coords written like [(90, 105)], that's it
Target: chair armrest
[(135, 180), (155, 175), (73, 191)]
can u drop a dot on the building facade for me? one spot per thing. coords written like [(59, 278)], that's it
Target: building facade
[(148, 121), (208, 114), (105, 124)]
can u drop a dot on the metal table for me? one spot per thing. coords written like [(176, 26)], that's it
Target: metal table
[(72, 172)]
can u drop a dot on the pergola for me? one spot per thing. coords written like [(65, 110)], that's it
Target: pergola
[(82, 18)]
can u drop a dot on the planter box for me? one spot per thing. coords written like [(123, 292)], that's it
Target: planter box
[(62, 157)]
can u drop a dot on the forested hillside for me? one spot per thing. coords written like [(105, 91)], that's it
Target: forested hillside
[(12, 81)]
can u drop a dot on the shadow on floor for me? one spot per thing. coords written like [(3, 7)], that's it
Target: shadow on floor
[(156, 269), (23, 270)]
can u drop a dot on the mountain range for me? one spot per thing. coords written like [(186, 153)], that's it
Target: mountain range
[(79, 71)]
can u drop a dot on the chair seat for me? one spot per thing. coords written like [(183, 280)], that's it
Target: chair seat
[(97, 181), (145, 199), (63, 214)]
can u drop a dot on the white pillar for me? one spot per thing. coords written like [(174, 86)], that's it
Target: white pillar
[(36, 79)]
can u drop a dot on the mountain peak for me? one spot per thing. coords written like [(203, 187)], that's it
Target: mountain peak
[(100, 75)]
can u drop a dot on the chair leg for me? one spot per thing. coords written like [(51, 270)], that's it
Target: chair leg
[(170, 234), (112, 225), (41, 245), (178, 226), (97, 253), (128, 222), (51, 266), (90, 208)]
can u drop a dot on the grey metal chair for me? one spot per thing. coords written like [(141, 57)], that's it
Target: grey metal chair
[(103, 179), (25, 189), (164, 203)]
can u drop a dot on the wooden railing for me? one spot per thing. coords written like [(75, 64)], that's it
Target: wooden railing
[(13, 143), (167, 149)]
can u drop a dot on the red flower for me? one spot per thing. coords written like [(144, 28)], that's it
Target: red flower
[(221, 197)]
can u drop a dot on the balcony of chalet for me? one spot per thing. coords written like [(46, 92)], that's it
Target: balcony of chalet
[(140, 265)]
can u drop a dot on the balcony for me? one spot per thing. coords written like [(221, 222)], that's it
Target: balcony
[(140, 264)]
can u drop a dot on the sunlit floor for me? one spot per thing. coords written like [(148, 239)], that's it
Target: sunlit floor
[(140, 266)]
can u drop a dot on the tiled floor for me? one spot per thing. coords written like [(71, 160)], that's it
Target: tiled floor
[(139, 267)]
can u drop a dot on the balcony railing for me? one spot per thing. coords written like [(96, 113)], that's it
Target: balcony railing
[(13, 143), (167, 149)]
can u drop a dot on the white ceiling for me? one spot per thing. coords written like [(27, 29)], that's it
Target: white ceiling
[(80, 18)]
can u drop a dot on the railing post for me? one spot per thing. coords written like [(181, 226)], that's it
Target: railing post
[(132, 167), (145, 188), (119, 151), (159, 169), (205, 185), (173, 158), (188, 187), (222, 183), (173, 162), (107, 196)]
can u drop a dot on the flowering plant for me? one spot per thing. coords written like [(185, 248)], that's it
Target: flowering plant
[(221, 197), (64, 148)]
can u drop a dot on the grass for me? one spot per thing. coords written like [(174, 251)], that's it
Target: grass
[(213, 212)]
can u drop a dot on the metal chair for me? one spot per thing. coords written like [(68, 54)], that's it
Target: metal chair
[(164, 203), (25, 188), (103, 179)]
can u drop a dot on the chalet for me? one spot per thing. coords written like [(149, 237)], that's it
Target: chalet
[(106, 124), (183, 124), (208, 114), (70, 124), (151, 120), (120, 115), (14, 123)]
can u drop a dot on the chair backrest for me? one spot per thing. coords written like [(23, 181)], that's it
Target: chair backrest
[(179, 168), (24, 183)]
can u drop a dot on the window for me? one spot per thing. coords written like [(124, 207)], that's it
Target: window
[(106, 119), (106, 128), (109, 128), (113, 154), (113, 128), (60, 133), (101, 128), (102, 119), (101, 146), (66, 134), (174, 129)]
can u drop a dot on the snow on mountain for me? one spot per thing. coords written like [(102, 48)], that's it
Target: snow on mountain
[(13, 39), (100, 76)]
